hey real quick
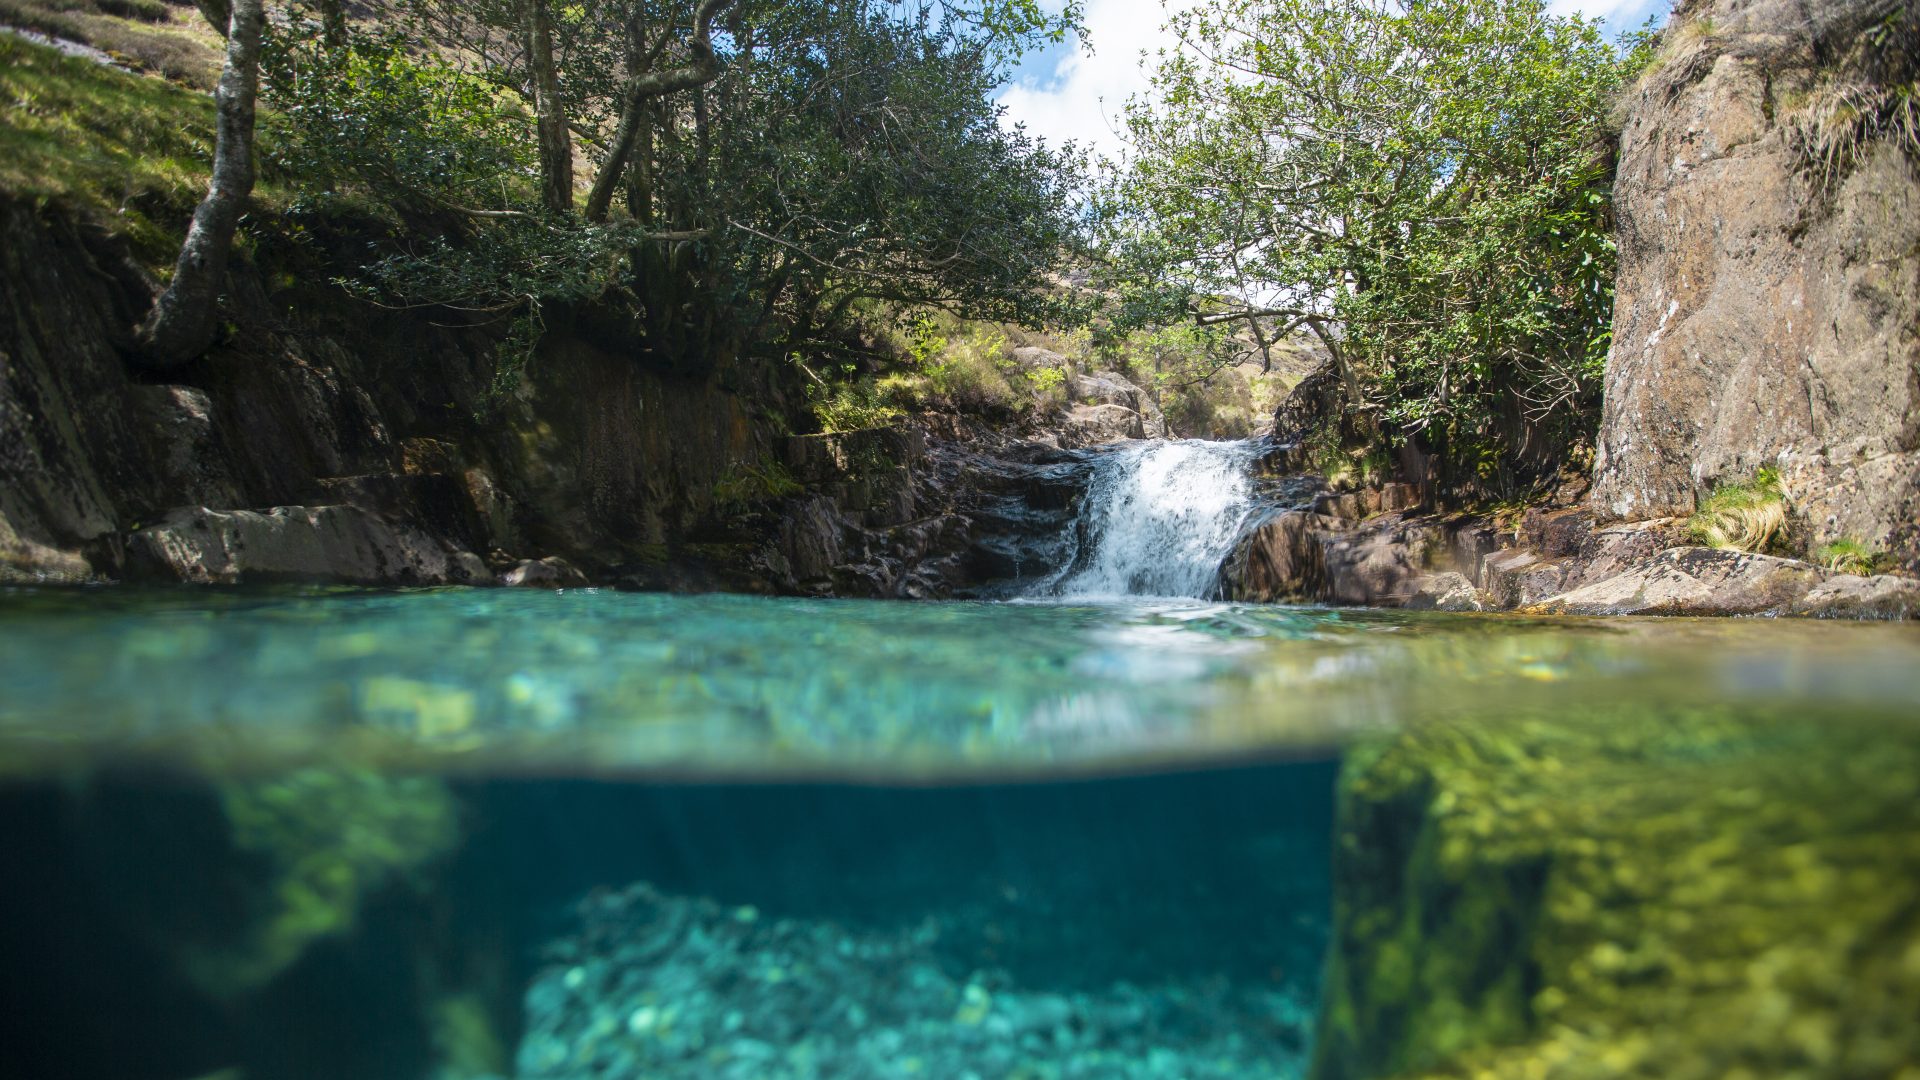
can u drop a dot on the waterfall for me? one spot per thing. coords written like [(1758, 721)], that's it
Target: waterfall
[(1159, 518)]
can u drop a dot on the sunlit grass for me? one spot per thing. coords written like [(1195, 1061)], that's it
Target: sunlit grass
[(131, 151), (1749, 515), (170, 39), (1850, 556)]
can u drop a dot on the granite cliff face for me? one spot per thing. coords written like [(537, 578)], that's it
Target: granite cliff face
[(1769, 272)]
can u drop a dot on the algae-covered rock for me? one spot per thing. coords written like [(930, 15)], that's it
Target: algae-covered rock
[(1591, 892), (323, 840)]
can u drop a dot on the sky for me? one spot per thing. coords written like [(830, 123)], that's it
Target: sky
[(1070, 93)]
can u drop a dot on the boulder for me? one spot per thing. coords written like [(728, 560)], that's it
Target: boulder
[(1091, 425), (1033, 358), (1516, 577), (552, 572), (1845, 596), (1692, 581), (344, 544), (1446, 591)]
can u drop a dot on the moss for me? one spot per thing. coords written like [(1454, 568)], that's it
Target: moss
[(756, 482), (323, 840), (1588, 893)]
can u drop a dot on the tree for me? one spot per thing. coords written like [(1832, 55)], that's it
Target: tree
[(1423, 184), (779, 161), (184, 318)]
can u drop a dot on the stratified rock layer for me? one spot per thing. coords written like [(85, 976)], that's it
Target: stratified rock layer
[(1764, 316)]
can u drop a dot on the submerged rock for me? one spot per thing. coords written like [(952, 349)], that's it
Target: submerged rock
[(1596, 892), (663, 986)]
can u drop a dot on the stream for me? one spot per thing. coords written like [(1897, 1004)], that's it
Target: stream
[(1110, 827)]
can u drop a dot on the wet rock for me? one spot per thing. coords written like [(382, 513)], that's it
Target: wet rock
[(1279, 560), (1516, 577), (1844, 596), (551, 572), (1381, 564), (1302, 555), (297, 543)]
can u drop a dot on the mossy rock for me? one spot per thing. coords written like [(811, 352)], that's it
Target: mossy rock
[(1597, 893), (322, 840)]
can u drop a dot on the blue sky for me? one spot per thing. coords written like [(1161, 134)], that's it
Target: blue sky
[(1066, 93)]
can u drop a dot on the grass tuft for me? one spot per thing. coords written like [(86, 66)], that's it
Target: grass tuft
[(1850, 556), (1747, 515)]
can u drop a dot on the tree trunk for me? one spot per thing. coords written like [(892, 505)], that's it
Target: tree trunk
[(184, 318), (700, 69), (219, 13), (556, 142), (333, 24)]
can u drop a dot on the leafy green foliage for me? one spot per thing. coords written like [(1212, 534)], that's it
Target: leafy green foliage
[(406, 127), (844, 153), (849, 402), (1423, 185)]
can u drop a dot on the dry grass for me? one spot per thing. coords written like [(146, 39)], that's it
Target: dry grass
[(1837, 125), (1744, 516), (169, 38)]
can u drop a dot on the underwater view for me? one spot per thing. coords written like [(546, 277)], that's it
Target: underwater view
[(458, 833), (959, 540)]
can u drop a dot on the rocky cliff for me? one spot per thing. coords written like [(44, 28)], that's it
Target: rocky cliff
[(1769, 232), (328, 440)]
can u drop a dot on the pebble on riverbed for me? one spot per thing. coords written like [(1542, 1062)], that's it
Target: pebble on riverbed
[(663, 986)]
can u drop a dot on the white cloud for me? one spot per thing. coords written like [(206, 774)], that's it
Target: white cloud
[(1081, 97)]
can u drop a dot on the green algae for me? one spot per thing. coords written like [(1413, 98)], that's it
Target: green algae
[(1584, 891), (319, 841)]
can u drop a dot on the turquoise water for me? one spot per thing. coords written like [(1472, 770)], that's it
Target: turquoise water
[(603, 682), (460, 834)]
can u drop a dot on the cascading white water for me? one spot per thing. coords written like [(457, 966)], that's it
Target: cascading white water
[(1159, 518)]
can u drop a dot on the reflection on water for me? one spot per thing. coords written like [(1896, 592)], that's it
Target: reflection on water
[(456, 835)]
